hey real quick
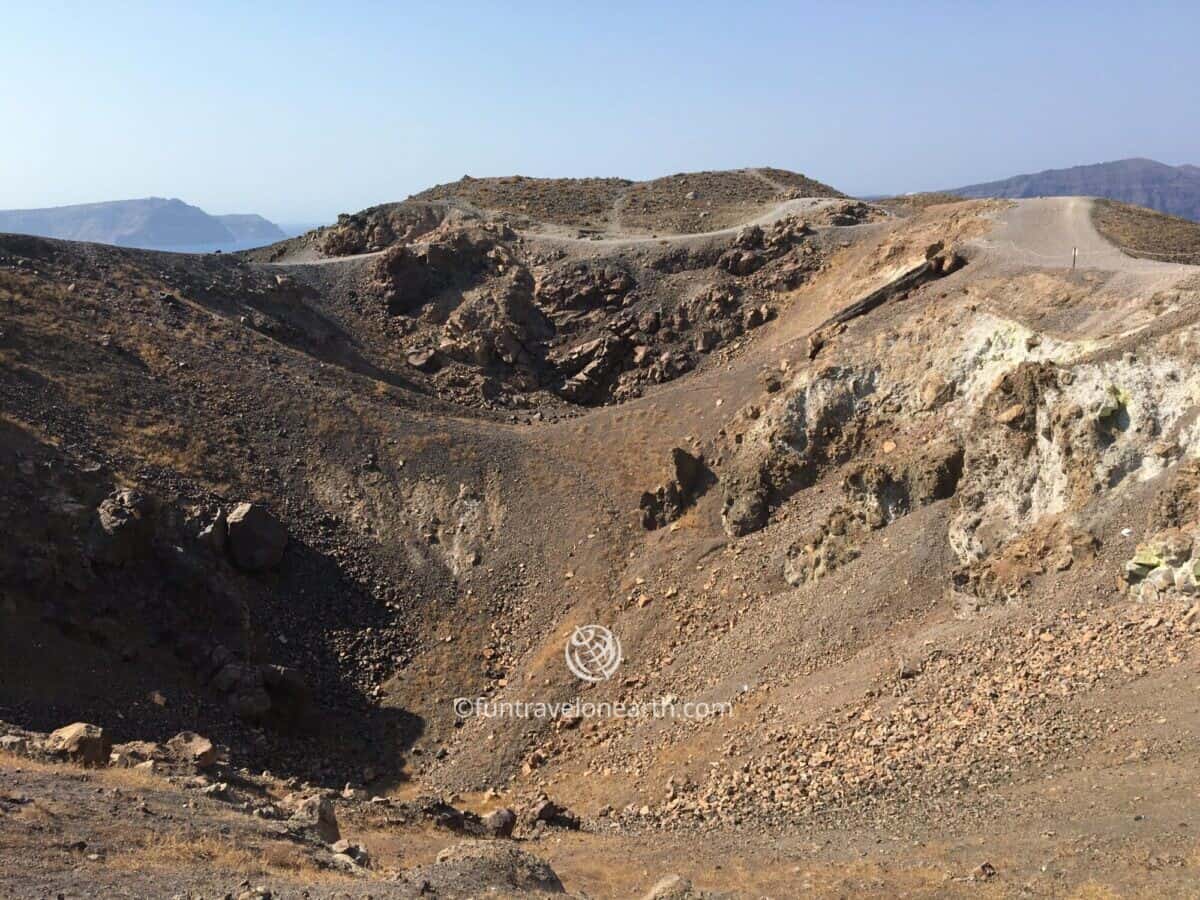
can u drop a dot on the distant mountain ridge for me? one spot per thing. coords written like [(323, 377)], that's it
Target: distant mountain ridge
[(1174, 190), (152, 223)]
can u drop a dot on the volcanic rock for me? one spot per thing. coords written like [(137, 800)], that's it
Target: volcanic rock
[(81, 742), (256, 538)]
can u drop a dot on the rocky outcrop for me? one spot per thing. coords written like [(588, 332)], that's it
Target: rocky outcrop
[(939, 261), (499, 324), (689, 478), (410, 275), (124, 527), (1169, 562), (382, 226), (545, 811), (782, 244), (483, 868), (252, 690), (583, 286), (877, 493), (813, 422), (848, 212), (590, 368), (1048, 439)]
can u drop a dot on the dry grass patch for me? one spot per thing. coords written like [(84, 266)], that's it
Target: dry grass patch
[(130, 779), (12, 761), (181, 850), (1142, 232)]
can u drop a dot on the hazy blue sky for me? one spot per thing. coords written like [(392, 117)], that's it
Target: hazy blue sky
[(300, 111)]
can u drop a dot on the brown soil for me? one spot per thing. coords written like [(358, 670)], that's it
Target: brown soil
[(704, 201), (687, 203), (581, 202), (1146, 233)]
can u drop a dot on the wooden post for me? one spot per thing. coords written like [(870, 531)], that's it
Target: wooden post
[(1074, 257)]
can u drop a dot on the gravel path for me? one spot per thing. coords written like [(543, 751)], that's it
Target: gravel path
[(1044, 231)]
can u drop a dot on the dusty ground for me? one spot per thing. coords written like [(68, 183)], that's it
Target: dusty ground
[(904, 566)]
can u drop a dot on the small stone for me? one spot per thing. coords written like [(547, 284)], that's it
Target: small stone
[(909, 669), (424, 360), (356, 853), (1010, 415), (985, 872)]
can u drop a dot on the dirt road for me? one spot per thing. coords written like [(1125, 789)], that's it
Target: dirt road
[(1043, 232)]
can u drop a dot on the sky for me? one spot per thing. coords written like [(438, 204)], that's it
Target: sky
[(301, 111)]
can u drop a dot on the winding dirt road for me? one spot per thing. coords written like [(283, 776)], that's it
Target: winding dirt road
[(799, 206)]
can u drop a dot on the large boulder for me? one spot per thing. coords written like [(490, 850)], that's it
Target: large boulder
[(350, 855), (252, 690), (256, 538), (81, 742)]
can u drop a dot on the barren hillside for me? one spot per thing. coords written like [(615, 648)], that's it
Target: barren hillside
[(894, 518), (687, 203), (1173, 190)]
